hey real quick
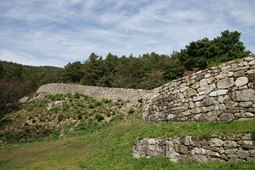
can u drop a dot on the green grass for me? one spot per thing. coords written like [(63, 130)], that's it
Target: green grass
[(111, 147)]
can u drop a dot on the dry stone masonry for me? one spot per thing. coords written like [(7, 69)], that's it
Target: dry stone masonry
[(132, 95), (222, 93), (216, 148)]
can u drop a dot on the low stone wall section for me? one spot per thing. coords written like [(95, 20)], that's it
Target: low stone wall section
[(223, 93), (217, 148), (132, 95)]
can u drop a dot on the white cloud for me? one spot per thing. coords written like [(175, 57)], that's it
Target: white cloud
[(56, 32)]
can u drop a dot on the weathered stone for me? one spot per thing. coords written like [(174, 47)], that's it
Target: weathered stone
[(247, 145), (208, 101), (245, 104), (247, 115), (195, 85), (244, 95), (198, 151), (218, 92), (187, 140), (213, 154), (200, 158), (239, 73), (252, 62), (183, 89), (230, 74), (198, 98), (209, 88), (225, 68), (241, 81), (170, 116), (230, 151), (211, 80), (246, 137), (200, 117), (227, 117), (191, 92), (181, 149), (24, 99), (216, 142), (243, 154), (225, 83), (196, 110), (224, 157), (171, 153), (151, 141), (211, 116), (228, 144), (203, 82)]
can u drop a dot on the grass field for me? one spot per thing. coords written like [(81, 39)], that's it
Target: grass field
[(111, 147)]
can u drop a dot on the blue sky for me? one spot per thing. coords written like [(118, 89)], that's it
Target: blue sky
[(55, 32)]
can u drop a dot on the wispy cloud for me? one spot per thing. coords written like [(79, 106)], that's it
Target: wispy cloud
[(55, 32)]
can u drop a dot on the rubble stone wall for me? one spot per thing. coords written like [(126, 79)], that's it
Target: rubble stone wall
[(132, 95), (216, 148), (223, 93)]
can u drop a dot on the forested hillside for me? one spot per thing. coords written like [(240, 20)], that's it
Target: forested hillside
[(17, 80), (152, 70)]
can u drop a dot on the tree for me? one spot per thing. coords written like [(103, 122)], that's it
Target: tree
[(72, 72), (203, 53), (2, 72)]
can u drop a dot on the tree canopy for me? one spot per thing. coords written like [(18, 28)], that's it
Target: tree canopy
[(152, 70)]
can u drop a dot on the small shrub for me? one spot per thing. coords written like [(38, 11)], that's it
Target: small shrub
[(77, 95), (98, 103), (33, 121), (65, 107), (117, 118), (61, 117), (252, 79), (99, 117), (140, 100), (92, 106), (119, 100), (79, 116), (131, 111), (52, 97), (253, 135), (205, 136), (106, 101)]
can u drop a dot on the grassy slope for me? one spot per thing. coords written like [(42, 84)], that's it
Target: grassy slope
[(111, 148)]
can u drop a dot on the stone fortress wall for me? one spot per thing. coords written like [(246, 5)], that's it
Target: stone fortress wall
[(223, 93), (216, 148), (132, 95)]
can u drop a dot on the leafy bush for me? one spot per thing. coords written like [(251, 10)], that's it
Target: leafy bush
[(79, 116), (98, 103), (131, 111), (91, 106), (61, 117), (99, 117), (253, 135), (106, 101), (140, 100)]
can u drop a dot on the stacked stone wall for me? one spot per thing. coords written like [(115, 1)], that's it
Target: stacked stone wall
[(132, 95), (216, 148), (223, 93)]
